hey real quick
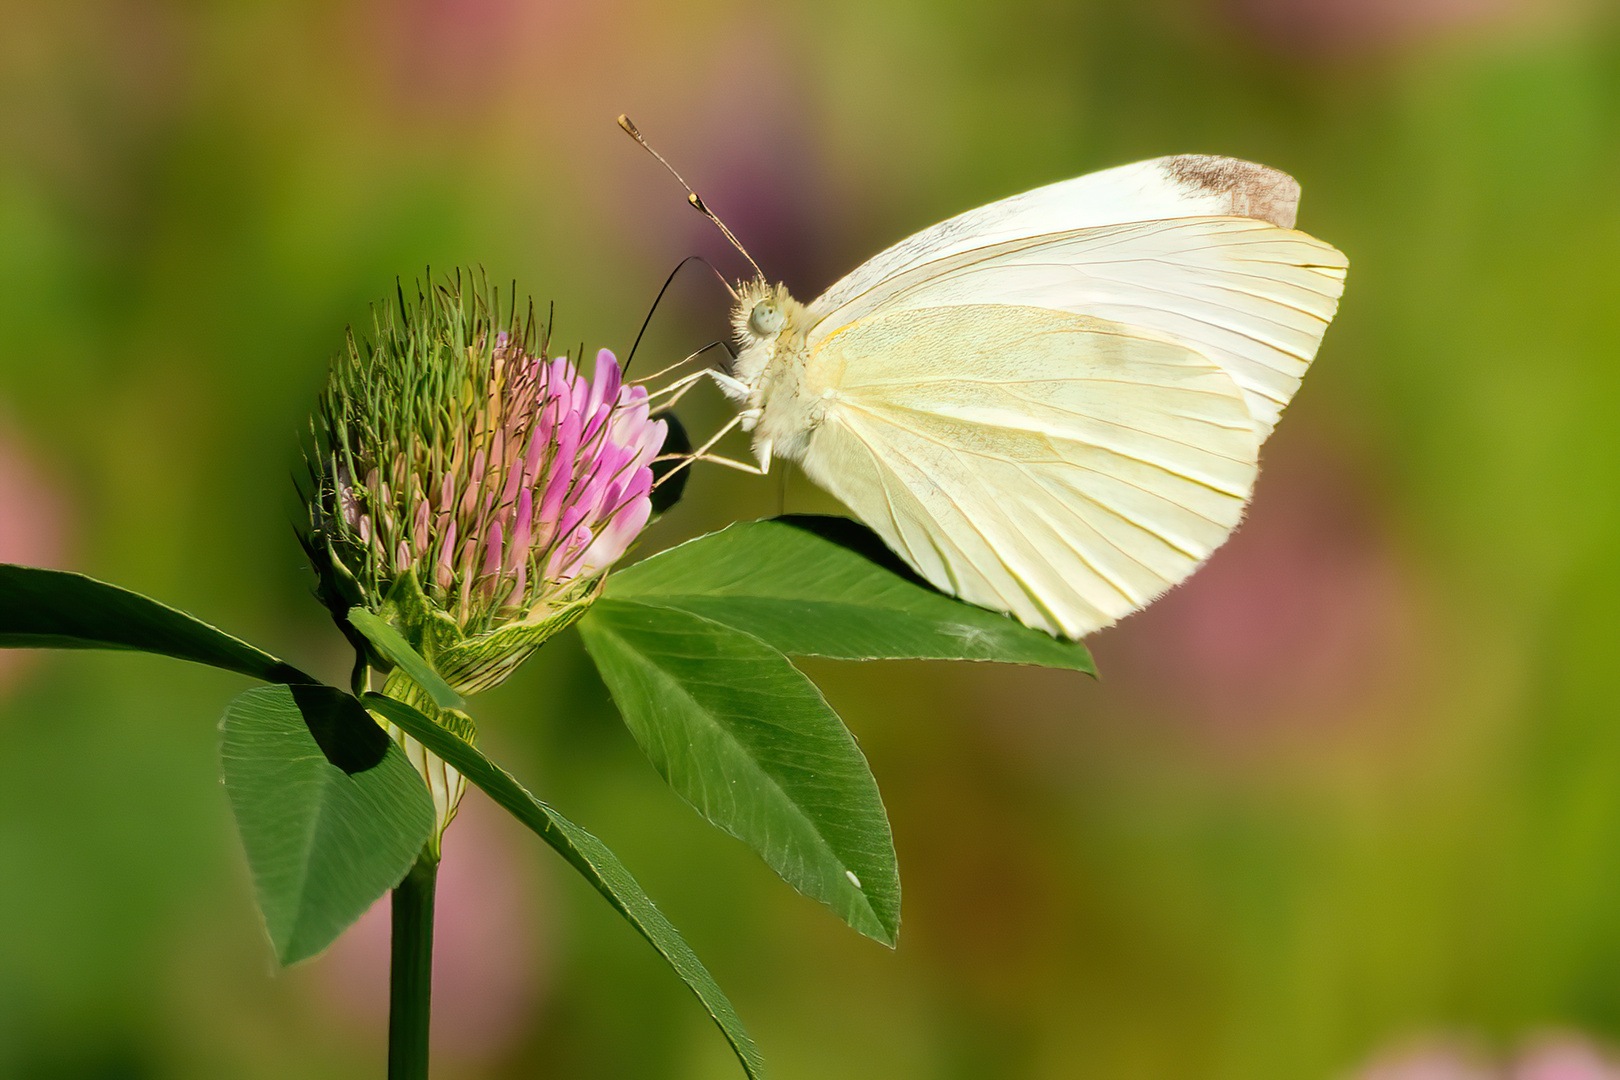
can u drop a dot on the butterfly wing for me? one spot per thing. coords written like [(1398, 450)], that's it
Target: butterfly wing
[(1251, 296), (1060, 468), (1185, 185)]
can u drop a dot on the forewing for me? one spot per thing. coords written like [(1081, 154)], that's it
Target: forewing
[(1251, 296), (1055, 467), (1185, 185)]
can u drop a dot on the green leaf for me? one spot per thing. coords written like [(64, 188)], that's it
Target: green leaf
[(54, 609), (588, 855), (744, 737), (827, 586), (323, 842), (392, 644)]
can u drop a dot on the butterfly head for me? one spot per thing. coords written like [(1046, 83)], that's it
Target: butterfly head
[(763, 311), (768, 323)]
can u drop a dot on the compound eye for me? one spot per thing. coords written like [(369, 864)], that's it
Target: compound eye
[(766, 318)]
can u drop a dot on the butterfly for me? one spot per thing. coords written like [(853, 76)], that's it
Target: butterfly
[(1053, 405)]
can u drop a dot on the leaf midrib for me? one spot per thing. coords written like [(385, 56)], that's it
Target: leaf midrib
[(668, 680), (696, 603)]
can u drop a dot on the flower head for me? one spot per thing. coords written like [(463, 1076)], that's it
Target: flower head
[(471, 490), (469, 487)]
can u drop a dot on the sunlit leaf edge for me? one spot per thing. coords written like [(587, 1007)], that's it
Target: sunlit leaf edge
[(27, 621), (933, 625)]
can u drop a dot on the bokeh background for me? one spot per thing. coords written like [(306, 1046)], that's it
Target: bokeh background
[(1354, 789)]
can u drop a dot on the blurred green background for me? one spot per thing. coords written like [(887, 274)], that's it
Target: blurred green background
[(1356, 782)]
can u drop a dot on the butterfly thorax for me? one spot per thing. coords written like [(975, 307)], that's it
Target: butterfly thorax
[(770, 327)]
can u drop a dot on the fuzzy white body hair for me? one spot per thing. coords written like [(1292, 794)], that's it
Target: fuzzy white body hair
[(780, 406)]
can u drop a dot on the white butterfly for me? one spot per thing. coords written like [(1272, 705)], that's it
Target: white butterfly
[(1052, 405)]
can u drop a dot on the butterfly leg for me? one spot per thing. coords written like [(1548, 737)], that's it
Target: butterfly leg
[(665, 371), (702, 452), (734, 388), (732, 463), (678, 388)]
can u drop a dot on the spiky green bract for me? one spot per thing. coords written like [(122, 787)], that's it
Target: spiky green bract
[(465, 486), (397, 406), (467, 493)]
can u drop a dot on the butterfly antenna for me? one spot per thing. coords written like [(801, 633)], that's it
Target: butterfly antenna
[(667, 283), (691, 196)]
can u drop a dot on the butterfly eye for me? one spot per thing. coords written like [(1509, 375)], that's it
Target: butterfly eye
[(766, 318)]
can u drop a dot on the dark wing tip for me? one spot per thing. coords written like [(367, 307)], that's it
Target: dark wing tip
[(1252, 190)]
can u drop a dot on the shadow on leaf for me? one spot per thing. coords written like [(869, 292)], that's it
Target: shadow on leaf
[(341, 727), (853, 536)]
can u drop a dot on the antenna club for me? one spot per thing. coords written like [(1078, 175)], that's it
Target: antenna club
[(691, 196)]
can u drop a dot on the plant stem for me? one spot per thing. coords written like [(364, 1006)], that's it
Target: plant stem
[(410, 980)]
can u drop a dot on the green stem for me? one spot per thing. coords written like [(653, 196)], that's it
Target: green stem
[(360, 677), (410, 980)]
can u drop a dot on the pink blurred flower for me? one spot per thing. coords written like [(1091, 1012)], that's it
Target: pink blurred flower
[(491, 950), (1342, 27), (1437, 1060), (1564, 1056), (33, 526), (447, 55), (1301, 622)]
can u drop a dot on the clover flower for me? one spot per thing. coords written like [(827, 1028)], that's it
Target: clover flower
[(471, 490)]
